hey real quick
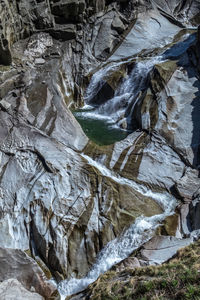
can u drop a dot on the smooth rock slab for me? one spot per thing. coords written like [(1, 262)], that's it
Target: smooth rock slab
[(161, 248), (189, 184), (150, 31)]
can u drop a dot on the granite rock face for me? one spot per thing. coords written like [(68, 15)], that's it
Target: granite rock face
[(12, 289), (62, 197), (17, 265)]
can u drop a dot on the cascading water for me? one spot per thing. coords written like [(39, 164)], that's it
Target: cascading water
[(120, 248), (113, 111), (98, 80), (128, 91)]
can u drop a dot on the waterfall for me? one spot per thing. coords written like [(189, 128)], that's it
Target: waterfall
[(98, 79), (120, 248), (119, 109), (114, 110), (128, 91)]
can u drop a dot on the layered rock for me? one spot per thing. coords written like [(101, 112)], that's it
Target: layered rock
[(12, 289), (62, 197), (17, 265), (63, 202)]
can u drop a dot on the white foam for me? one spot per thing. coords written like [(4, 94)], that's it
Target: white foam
[(161, 198), (97, 79)]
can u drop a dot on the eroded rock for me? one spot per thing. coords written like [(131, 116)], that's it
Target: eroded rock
[(55, 200), (13, 289), (17, 265)]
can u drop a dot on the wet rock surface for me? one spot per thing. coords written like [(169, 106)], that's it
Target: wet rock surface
[(62, 197)]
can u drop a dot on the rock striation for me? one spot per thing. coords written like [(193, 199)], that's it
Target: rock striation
[(20, 267), (12, 289), (62, 197)]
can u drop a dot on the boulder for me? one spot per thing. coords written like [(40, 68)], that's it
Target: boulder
[(185, 220), (63, 32), (129, 263), (106, 39), (68, 10), (118, 25), (161, 248), (194, 214), (17, 265), (13, 289)]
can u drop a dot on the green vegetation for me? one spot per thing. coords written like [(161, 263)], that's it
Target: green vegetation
[(177, 279)]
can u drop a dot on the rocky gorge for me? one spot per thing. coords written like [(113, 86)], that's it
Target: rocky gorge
[(100, 140)]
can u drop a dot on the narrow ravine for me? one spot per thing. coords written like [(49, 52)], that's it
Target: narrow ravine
[(113, 113)]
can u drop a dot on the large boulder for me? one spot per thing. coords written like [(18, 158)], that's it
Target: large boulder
[(17, 265), (13, 289)]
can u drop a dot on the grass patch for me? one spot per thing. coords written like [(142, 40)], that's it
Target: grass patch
[(179, 279)]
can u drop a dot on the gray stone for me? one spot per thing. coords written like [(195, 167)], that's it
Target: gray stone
[(185, 219), (105, 40), (162, 248), (195, 235), (188, 185), (144, 35), (64, 32), (13, 289), (5, 105), (17, 265), (70, 10), (194, 215), (118, 25), (129, 263)]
